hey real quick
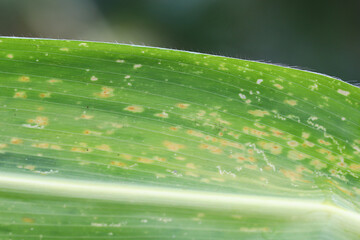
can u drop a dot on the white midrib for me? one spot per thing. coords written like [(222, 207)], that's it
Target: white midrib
[(172, 197)]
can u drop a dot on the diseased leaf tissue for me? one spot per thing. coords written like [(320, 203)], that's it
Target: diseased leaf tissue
[(110, 141)]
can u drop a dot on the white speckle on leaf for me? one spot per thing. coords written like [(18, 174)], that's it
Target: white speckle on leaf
[(222, 172), (32, 126), (313, 87), (136, 66), (259, 81), (343, 92), (93, 78), (242, 96)]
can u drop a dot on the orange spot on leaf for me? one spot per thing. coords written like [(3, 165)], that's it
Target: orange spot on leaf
[(135, 109), (173, 146)]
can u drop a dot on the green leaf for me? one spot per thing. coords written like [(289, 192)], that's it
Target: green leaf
[(111, 141)]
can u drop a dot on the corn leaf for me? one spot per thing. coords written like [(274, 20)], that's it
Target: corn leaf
[(111, 141)]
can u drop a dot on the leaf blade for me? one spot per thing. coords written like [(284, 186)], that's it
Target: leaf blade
[(177, 120)]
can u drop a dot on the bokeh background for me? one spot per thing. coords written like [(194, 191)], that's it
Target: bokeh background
[(316, 35)]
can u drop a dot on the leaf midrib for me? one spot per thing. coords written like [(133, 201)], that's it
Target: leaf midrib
[(123, 193)]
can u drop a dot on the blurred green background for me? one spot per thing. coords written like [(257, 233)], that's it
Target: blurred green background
[(321, 36)]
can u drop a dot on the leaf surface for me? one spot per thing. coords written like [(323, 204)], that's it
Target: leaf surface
[(111, 141)]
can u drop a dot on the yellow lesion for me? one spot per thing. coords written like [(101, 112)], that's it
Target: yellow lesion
[(255, 132), (227, 143), (41, 145), (212, 149), (277, 133), (242, 158), (201, 113), (254, 229), (160, 159), (258, 113), (3, 145), (322, 141), (318, 164), (24, 79), (103, 147), (251, 167), (134, 109), (117, 125), (105, 93), (126, 156), (52, 81), (45, 95), (355, 167), (20, 94), (182, 105), (323, 151), (118, 164), (81, 149), (305, 135), (16, 141), (291, 102), (27, 220), (293, 176), (40, 120), (331, 157), (344, 190), (86, 132), (222, 121), (273, 147), (307, 144), (301, 169), (342, 164), (162, 115), (295, 155), (278, 86), (173, 146), (172, 128), (56, 147), (211, 138), (293, 143), (195, 133), (190, 165), (145, 160), (29, 167), (91, 132), (85, 116)]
